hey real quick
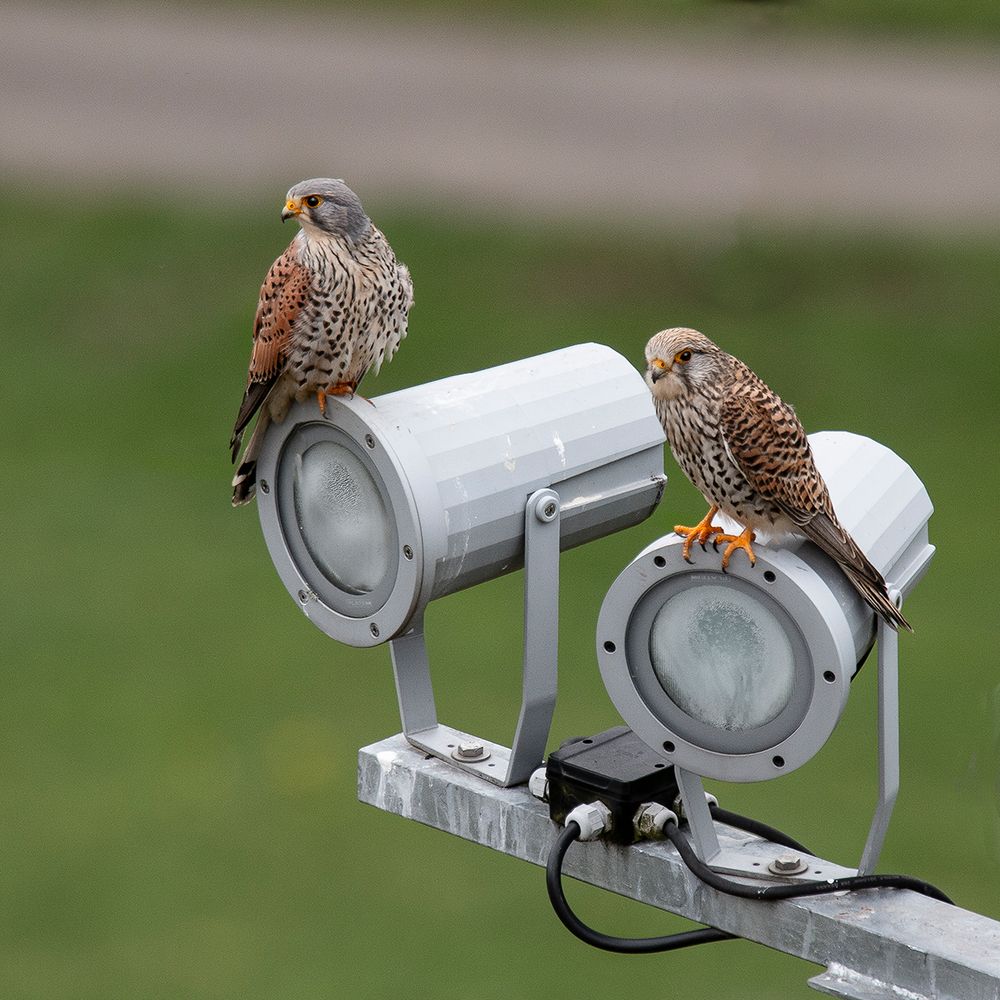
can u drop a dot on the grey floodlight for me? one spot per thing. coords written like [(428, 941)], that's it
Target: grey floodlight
[(379, 508), (742, 676)]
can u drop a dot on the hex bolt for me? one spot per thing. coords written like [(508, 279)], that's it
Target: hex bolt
[(470, 751), (787, 864)]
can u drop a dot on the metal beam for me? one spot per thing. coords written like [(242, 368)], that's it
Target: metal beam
[(876, 944)]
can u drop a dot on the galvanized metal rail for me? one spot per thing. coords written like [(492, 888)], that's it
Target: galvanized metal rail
[(875, 944)]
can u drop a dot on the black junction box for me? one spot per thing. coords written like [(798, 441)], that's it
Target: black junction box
[(615, 767)]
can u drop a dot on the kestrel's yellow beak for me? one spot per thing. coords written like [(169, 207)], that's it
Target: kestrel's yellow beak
[(658, 368), (293, 207)]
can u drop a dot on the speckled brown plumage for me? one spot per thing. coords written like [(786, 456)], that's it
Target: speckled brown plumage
[(332, 306), (748, 454)]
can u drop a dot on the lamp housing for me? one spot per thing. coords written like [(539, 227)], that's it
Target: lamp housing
[(381, 506), (743, 675)]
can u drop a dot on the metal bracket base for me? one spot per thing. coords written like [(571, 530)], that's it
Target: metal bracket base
[(443, 741), (750, 859), (496, 763)]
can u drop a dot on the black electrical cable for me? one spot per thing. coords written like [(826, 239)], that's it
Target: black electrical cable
[(686, 939), (628, 946), (756, 826), (717, 881)]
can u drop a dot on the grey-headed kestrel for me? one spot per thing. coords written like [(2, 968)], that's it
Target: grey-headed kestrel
[(333, 305), (747, 453)]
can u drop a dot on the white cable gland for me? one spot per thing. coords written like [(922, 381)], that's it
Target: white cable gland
[(593, 819)]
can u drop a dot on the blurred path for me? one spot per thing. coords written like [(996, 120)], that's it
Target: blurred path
[(684, 125)]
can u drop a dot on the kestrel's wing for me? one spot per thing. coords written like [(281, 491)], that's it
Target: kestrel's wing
[(769, 445), (282, 296)]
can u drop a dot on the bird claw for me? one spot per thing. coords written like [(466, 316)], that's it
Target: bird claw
[(733, 543), (700, 533), (338, 389)]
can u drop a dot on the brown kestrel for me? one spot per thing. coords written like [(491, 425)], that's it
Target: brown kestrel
[(747, 453), (333, 305)]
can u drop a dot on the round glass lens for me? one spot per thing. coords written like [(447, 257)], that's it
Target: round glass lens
[(722, 657), (342, 517)]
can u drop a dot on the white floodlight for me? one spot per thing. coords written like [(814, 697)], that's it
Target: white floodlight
[(383, 506), (742, 676)]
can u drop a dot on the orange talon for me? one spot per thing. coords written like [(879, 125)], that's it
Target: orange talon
[(741, 541), (700, 533), (339, 389)]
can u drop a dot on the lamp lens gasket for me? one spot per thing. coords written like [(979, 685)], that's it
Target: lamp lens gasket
[(695, 615), (321, 471)]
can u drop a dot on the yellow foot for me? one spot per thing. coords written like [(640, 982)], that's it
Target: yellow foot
[(741, 541), (339, 389), (700, 533)]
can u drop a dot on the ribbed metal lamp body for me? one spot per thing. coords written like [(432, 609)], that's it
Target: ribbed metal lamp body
[(456, 461)]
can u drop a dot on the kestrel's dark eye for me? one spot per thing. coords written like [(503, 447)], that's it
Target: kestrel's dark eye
[(683, 357), (314, 201)]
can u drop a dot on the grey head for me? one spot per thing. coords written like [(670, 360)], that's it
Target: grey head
[(326, 206), (681, 362)]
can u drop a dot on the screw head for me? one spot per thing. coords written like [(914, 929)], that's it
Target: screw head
[(369, 440), (547, 509), (374, 630), (407, 552), (264, 487)]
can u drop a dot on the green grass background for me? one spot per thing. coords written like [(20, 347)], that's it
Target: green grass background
[(179, 743)]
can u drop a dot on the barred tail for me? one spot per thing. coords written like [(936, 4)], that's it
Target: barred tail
[(245, 480)]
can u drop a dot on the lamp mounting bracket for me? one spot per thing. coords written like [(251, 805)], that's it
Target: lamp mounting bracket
[(498, 764), (703, 834)]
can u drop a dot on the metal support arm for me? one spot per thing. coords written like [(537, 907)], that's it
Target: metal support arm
[(497, 764), (888, 744), (876, 945)]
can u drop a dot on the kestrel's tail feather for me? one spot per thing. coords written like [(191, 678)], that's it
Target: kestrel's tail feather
[(256, 393), (827, 532), (878, 599), (245, 480)]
